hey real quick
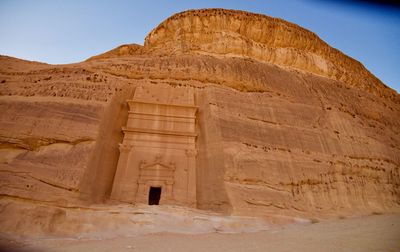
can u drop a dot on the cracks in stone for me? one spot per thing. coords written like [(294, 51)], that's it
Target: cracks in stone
[(263, 203), (53, 184), (71, 189), (51, 203), (259, 183), (320, 99), (262, 120), (33, 144)]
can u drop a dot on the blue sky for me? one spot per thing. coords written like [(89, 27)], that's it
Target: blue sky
[(59, 32)]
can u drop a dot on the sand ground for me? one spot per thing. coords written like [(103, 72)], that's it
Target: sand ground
[(371, 233)]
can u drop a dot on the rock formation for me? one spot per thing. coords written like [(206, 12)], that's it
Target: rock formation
[(285, 125)]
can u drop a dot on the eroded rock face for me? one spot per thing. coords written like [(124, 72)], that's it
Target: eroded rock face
[(286, 125), (231, 33), (120, 51)]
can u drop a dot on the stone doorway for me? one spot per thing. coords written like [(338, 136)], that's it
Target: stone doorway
[(154, 195)]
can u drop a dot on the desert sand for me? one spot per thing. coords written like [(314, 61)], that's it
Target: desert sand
[(368, 233)]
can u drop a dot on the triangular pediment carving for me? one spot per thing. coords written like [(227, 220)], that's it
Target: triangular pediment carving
[(157, 166)]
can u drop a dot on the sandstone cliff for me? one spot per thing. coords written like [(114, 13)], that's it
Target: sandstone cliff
[(287, 125), (232, 33)]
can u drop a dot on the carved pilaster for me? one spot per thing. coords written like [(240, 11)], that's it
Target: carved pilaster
[(125, 147), (191, 152)]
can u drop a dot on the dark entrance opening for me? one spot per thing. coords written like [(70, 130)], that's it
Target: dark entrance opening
[(154, 195)]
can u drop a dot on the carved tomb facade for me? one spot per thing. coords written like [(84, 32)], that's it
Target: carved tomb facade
[(157, 163)]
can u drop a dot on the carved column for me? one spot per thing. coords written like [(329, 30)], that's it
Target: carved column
[(168, 185), (142, 192), (120, 176), (191, 176)]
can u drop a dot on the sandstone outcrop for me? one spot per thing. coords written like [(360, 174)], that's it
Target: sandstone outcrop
[(231, 33), (120, 51), (285, 124)]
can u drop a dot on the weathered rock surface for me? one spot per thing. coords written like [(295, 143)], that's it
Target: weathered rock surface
[(120, 51), (287, 126), (232, 33)]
